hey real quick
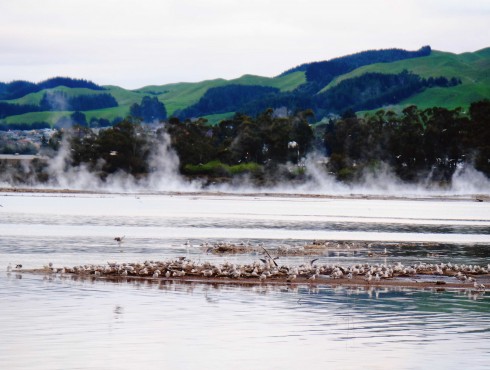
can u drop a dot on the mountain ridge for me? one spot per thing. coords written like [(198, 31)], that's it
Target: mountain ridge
[(471, 68)]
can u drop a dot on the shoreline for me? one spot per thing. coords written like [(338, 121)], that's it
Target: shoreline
[(266, 194), (267, 271), (412, 282)]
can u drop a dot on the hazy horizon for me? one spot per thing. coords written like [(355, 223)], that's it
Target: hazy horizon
[(133, 44)]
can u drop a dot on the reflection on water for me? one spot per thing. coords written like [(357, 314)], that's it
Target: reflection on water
[(359, 224), (73, 323)]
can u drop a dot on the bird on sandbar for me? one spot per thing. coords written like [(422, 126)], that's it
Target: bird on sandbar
[(119, 239), (479, 287)]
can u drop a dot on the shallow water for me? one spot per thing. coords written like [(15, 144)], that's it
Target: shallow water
[(68, 323)]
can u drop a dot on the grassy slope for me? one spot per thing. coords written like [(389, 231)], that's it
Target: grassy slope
[(471, 68), (124, 97), (174, 96), (35, 98), (50, 117), (214, 119), (181, 95)]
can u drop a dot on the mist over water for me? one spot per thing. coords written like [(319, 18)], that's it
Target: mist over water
[(96, 324), (164, 176)]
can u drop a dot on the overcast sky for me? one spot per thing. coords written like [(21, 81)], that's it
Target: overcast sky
[(133, 43)]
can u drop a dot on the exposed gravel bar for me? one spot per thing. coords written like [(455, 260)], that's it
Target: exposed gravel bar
[(267, 271)]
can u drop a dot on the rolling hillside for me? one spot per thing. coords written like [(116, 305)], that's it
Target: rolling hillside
[(174, 96), (471, 69), (181, 95)]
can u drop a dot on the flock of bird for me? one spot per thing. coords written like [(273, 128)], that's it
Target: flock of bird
[(309, 248), (267, 268)]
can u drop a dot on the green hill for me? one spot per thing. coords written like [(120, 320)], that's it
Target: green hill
[(472, 69), (181, 95), (397, 79), (174, 96)]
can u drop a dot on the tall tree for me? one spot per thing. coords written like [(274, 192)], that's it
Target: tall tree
[(150, 109)]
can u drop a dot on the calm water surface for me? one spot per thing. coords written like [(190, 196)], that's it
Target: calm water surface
[(66, 323)]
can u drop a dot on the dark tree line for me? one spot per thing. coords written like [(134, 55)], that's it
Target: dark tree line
[(18, 89), (324, 72), (230, 98), (124, 147), (9, 109), (418, 144), (263, 140), (59, 101), (74, 119), (329, 69), (364, 92), (150, 109), (372, 90), (427, 144)]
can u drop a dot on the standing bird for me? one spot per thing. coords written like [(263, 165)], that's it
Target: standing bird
[(119, 240), (479, 287)]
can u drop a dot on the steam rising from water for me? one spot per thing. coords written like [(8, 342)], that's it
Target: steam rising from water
[(466, 181), (165, 176)]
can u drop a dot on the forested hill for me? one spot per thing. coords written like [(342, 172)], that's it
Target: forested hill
[(18, 89), (368, 80), (325, 71)]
